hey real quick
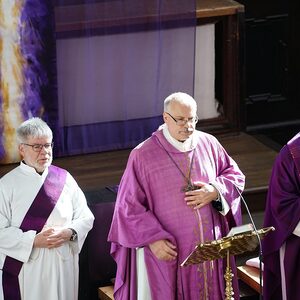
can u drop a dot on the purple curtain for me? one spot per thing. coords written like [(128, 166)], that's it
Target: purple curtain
[(96, 71), (116, 62), (27, 69)]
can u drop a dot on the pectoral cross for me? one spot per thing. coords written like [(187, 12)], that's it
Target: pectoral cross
[(189, 187)]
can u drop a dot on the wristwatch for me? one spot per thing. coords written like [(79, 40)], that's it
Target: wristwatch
[(74, 235), (217, 204)]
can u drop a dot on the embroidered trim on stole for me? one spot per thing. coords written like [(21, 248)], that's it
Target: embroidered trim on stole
[(35, 219)]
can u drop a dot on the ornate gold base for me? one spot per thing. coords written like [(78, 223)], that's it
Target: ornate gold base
[(228, 279)]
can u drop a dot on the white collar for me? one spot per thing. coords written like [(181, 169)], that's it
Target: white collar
[(32, 170), (185, 146)]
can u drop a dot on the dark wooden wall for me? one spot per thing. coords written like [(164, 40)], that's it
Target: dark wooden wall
[(272, 63)]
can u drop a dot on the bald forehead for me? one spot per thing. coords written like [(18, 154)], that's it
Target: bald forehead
[(179, 109)]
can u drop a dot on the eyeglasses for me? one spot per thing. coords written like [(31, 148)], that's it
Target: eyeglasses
[(182, 122), (39, 147)]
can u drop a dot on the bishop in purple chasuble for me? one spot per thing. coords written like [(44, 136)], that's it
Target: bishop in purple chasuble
[(283, 212), (150, 206)]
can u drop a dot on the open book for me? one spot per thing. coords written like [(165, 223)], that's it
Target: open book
[(240, 229)]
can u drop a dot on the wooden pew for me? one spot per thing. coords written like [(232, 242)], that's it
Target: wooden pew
[(250, 275), (106, 292)]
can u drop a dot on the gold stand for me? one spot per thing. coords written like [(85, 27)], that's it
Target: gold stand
[(228, 279), (233, 245), (228, 273)]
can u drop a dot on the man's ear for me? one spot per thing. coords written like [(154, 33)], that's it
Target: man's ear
[(21, 149), (165, 117)]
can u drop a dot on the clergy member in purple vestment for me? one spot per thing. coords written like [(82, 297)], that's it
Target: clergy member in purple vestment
[(179, 189), (281, 248), (44, 220)]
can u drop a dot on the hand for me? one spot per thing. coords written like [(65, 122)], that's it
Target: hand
[(202, 196), (163, 250), (52, 238)]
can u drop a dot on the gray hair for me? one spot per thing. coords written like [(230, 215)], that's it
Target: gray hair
[(34, 127), (181, 98)]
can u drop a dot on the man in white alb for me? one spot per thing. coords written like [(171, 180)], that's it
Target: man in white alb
[(44, 220)]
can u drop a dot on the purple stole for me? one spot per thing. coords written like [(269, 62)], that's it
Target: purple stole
[(34, 219)]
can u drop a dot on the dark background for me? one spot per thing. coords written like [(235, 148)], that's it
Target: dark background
[(272, 67)]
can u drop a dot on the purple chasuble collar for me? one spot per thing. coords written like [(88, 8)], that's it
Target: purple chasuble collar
[(35, 219)]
